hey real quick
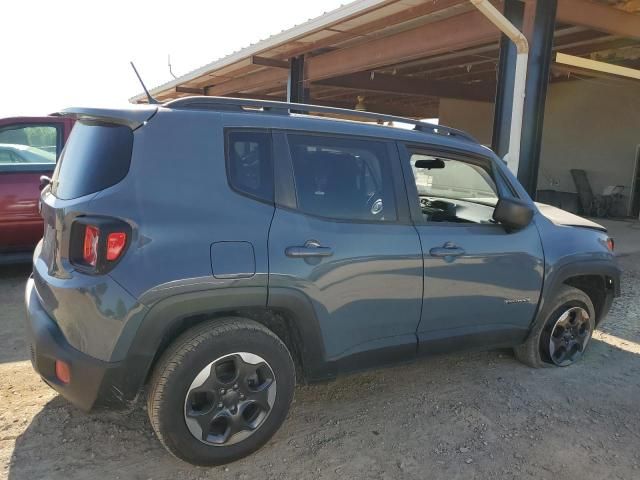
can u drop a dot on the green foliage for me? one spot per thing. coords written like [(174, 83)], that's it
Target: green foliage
[(41, 136)]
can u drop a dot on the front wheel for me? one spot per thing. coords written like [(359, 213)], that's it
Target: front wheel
[(562, 333), (221, 391)]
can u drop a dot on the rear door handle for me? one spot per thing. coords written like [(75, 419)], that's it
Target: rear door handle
[(310, 249), (447, 250)]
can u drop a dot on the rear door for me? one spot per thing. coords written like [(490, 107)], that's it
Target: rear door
[(481, 282), (341, 238), (28, 149)]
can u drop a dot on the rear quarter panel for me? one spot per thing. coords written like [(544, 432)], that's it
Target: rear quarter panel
[(177, 199)]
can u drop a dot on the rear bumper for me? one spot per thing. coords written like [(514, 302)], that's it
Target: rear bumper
[(93, 382)]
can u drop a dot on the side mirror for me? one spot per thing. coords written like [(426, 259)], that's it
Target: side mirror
[(512, 213), (44, 182)]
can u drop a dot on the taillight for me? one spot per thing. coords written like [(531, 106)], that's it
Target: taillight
[(98, 243), (611, 244), (90, 245), (116, 242)]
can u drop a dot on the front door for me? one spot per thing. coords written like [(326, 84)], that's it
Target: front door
[(481, 282), (344, 241)]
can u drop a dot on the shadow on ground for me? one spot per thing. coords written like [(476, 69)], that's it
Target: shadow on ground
[(13, 279), (477, 415)]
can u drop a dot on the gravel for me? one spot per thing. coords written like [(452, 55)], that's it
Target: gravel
[(467, 415)]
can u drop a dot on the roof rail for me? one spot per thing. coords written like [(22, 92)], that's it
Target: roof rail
[(285, 108)]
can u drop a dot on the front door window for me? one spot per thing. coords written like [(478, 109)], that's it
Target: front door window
[(452, 190)]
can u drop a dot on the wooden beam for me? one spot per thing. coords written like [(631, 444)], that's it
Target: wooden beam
[(414, 110), (596, 66), (190, 90), (599, 17), (632, 6), (453, 33), (249, 96), (263, 78), (268, 62), (399, 85), (487, 53), (391, 108), (346, 33), (567, 73)]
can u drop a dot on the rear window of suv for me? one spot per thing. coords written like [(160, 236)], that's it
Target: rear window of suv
[(96, 156)]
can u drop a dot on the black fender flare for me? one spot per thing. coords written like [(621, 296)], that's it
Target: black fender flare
[(298, 307), (146, 338), (559, 275)]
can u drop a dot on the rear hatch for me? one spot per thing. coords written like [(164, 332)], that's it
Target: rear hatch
[(96, 156)]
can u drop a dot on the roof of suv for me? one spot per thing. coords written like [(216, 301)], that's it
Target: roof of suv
[(369, 123)]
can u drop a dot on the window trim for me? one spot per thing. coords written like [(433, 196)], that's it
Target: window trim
[(227, 131), (34, 167), (284, 182), (405, 149), (403, 216), (509, 189)]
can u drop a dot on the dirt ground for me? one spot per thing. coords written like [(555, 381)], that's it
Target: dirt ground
[(472, 415)]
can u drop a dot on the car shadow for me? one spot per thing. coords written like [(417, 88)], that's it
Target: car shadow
[(12, 282), (429, 411)]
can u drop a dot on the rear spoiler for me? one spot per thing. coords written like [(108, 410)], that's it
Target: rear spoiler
[(132, 117)]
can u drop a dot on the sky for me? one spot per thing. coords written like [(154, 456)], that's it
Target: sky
[(76, 53)]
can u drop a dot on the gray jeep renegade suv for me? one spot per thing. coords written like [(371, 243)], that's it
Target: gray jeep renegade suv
[(209, 252)]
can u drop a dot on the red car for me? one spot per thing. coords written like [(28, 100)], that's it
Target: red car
[(29, 148)]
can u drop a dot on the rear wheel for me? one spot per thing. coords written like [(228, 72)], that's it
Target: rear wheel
[(562, 333), (221, 391)]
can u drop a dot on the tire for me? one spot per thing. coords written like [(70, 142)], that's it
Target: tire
[(536, 351), (184, 394)]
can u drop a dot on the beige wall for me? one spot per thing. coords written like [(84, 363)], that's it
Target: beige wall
[(473, 117), (589, 124)]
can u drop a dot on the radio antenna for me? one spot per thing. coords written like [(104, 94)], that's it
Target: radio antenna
[(150, 99)]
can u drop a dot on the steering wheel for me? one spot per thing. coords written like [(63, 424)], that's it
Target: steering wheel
[(375, 206), (438, 210)]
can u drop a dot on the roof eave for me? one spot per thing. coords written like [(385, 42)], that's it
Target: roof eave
[(315, 24)]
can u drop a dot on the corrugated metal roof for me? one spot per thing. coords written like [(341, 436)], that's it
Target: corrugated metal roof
[(309, 27)]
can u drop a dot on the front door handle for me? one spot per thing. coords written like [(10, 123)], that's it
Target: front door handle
[(310, 249), (447, 250)]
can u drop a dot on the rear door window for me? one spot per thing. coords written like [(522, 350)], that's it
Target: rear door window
[(96, 156), (343, 178), (250, 163)]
